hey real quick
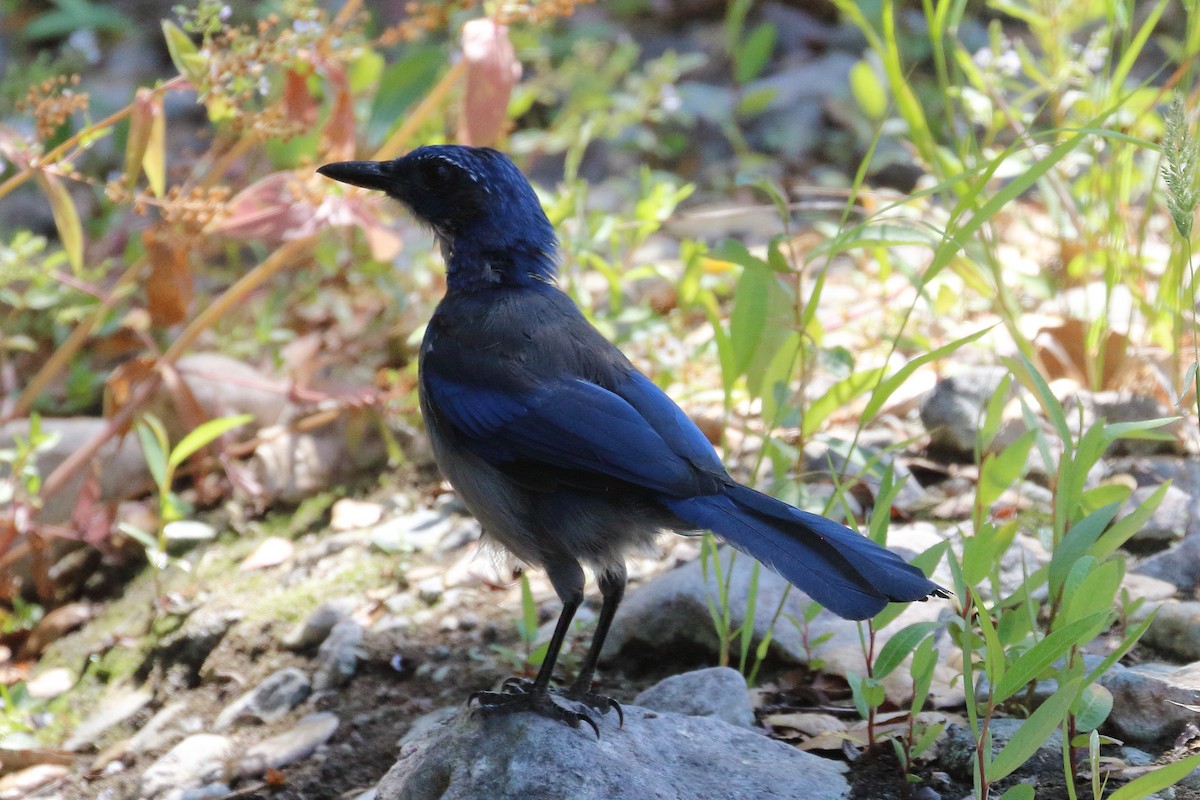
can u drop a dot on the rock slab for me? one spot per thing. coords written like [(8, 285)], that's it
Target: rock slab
[(655, 755)]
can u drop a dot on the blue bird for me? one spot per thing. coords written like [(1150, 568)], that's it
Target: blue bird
[(564, 451)]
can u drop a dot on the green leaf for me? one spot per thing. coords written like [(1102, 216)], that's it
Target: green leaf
[(993, 656), (1077, 542), (205, 434), (838, 396), (1093, 707), (76, 15), (1097, 592), (1123, 529), (1034, 661), (868, 91), (1019, 791), (153, 438), (1152, 782), (897, 648), (751, 55), (66, 216), (888, 387), (1000, 470), (402, 84), (184, 55), (1034, 731)]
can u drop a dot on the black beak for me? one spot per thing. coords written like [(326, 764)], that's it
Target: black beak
[(367, 174)]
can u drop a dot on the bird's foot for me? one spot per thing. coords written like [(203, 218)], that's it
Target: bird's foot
[(518, 694), (584, 695)]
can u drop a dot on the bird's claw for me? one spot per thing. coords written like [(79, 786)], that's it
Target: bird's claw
[(599, 702), (517, 694)]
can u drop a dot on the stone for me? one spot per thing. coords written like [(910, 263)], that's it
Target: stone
[(1175, 630), (182, 654), (349, 514), (166, 727), (338, 656), (1178, 565), (317, 626), (718, 692), (1150, 700), (193, 762), (112, 711), (957, 754), (290, 746), (1168, 523), (23, 783), (655, 754), (672, 611), (951, 412), (271, 700), (50, 683)]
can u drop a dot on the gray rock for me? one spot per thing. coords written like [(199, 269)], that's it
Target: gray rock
[(1168, 523), (289, 747), (672, 611), (112, 711), (655, 755), (271, 700), (193, 762), (317, 626), (166, 727), (1179, 565), (1175, 630), (952, 411), (338, 656), (427, 530), (1147, 698), (957, 754), (718, 692), (182, 654)]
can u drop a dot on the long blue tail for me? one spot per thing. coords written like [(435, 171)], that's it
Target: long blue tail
[(845, 572)]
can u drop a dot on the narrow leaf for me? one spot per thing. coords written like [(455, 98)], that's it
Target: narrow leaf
[(205, 434), (66, 216)]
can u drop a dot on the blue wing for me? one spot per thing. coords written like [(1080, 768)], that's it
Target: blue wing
[(634, 433)]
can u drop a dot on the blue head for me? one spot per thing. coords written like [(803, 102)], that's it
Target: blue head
[(484, 212)]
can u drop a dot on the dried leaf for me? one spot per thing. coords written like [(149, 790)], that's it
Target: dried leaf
[(270, 210), (154, 159), (492, 70), (298, 101), (66, 216), (140, 122), (339, 133), (273, 551), (121, 383), (1064, 351), (169, 288)]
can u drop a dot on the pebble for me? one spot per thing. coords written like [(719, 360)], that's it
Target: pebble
[(23, 783), (338, 656), (165, 728), (194, 761), (317, 626), (278, 694), (291, 746), (350, 514), (114, 710), (50, 683)]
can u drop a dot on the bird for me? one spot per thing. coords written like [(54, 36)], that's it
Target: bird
[(565, 452)]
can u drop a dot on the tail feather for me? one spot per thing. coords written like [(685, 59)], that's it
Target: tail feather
[(840, 569)]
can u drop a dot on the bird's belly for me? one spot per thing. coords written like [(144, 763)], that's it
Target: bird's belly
[(539, 527)]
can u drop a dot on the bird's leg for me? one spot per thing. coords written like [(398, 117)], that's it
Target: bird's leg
[(612, 588), (521, 695)]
